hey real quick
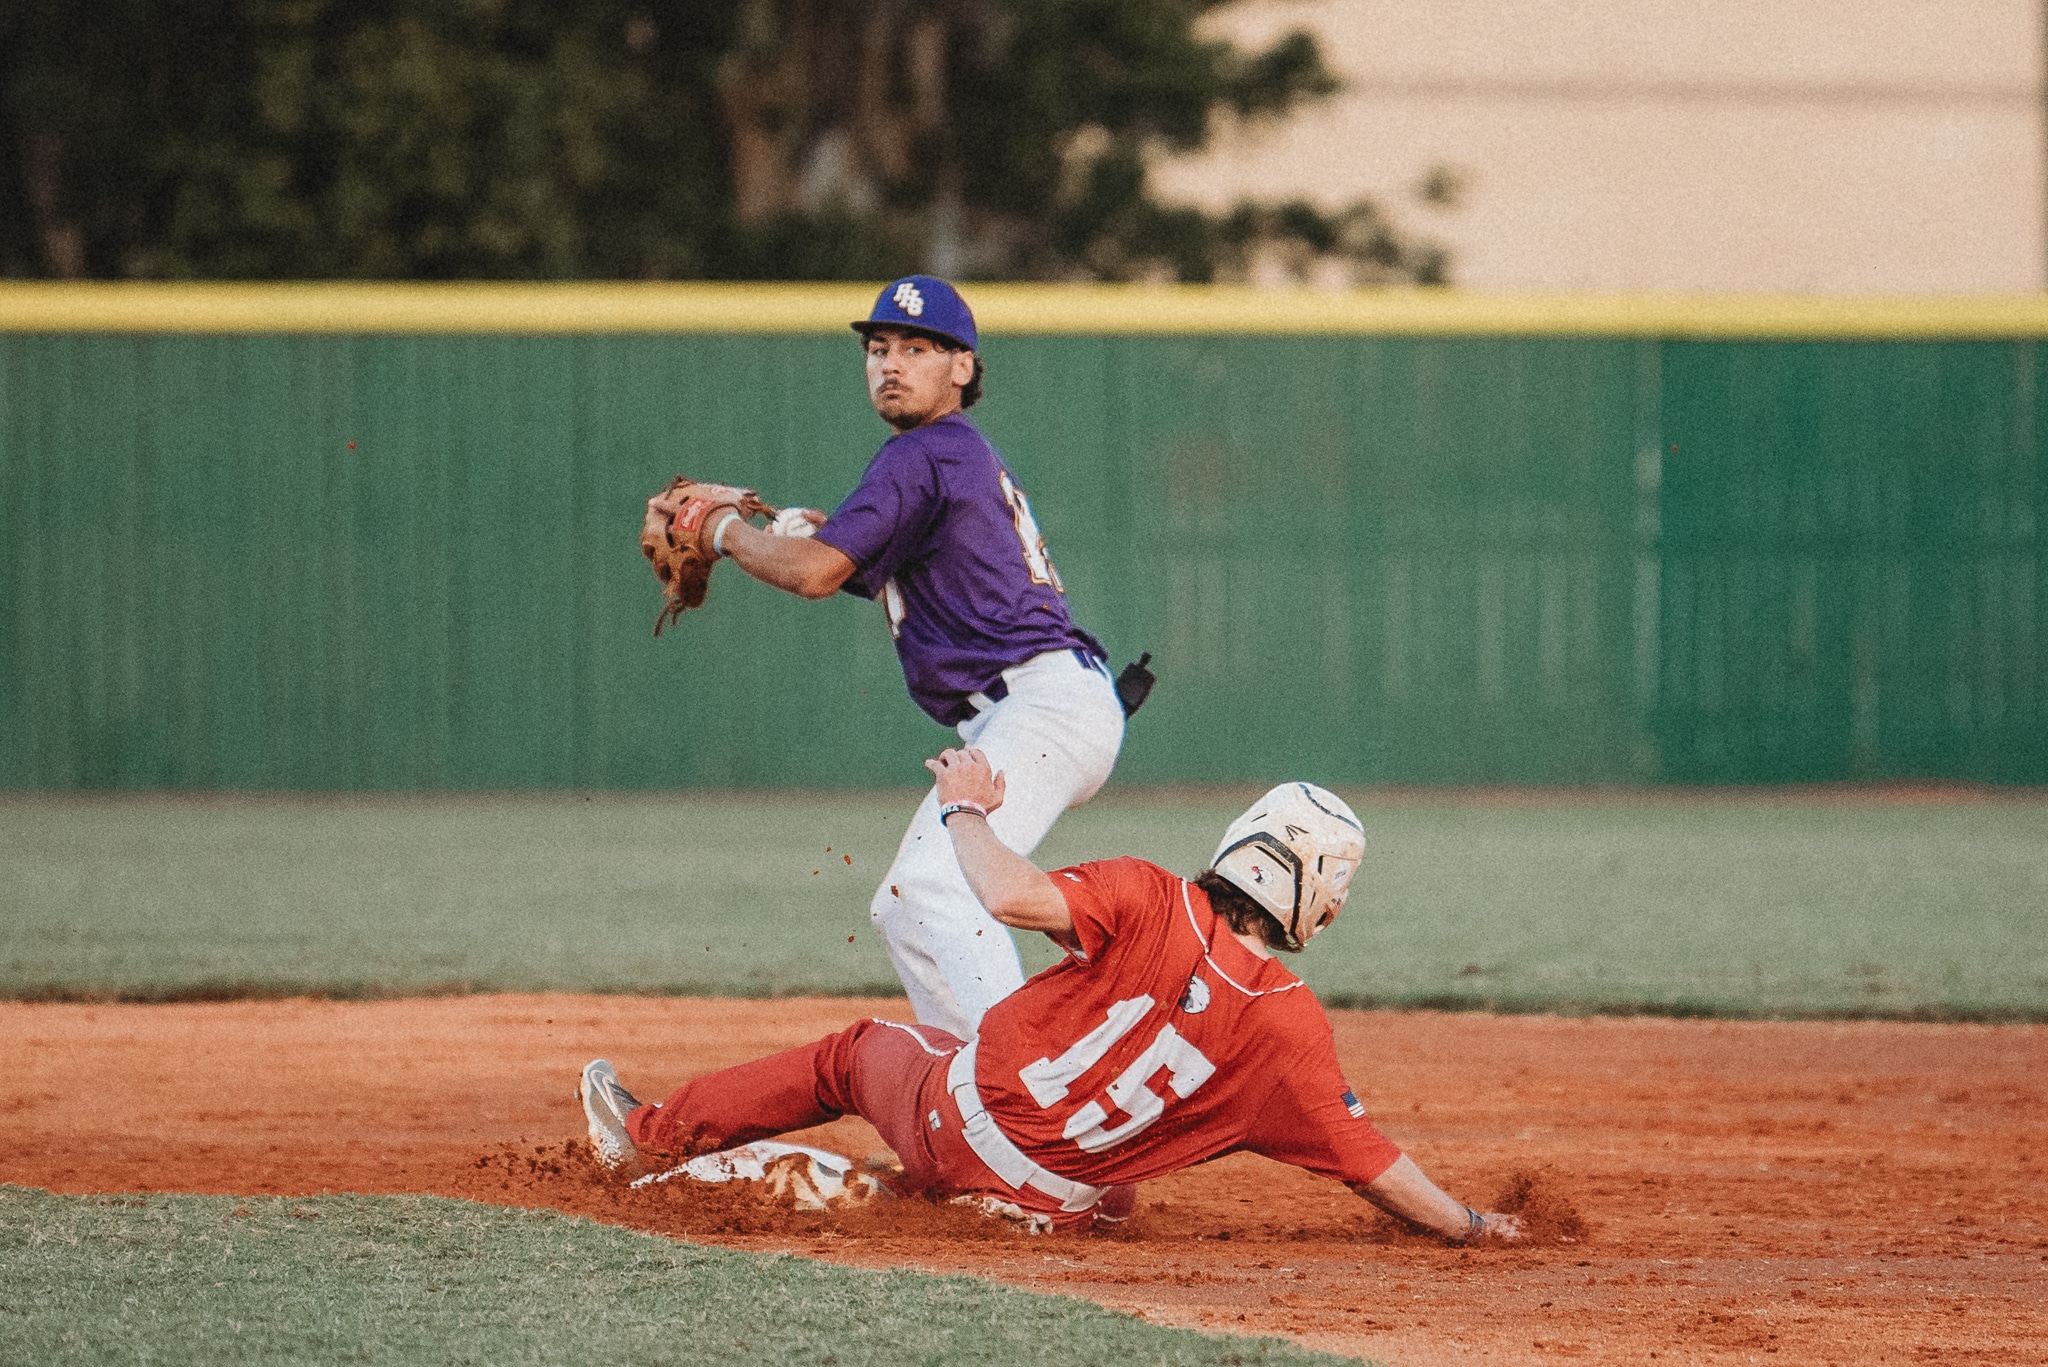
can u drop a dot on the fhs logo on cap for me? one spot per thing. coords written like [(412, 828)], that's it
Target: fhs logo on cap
[(909, 300)]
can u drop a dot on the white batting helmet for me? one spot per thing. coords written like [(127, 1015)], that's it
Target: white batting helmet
[(1293, 852)]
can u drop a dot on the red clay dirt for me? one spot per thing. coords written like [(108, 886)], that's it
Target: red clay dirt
[(1704, 1192)]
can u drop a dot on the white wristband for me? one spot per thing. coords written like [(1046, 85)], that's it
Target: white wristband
[(953, 809), (718, 537)]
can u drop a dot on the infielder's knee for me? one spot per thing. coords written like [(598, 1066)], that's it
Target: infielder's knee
[(920, 891)]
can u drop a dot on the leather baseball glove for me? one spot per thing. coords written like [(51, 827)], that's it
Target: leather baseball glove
[(676, 538)]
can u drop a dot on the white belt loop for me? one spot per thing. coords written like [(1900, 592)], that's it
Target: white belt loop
[(979, 702), (998, 1150)]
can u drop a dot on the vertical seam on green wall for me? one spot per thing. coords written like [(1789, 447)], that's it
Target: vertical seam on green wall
[(1645, 762)]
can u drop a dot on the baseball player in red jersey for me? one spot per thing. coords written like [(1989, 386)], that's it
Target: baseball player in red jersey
[(1169, 1035)]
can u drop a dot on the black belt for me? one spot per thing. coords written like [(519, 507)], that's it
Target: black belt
[(999, 688)]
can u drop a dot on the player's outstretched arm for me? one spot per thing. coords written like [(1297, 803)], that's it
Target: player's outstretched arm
[(1406, 1192), (794, 564), (784, 557), (1015, 890)]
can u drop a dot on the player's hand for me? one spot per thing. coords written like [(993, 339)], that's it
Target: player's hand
[(797, 522), (665, 509), (966, 776)]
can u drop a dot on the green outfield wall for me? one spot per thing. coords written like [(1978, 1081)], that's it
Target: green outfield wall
[(380, 537)]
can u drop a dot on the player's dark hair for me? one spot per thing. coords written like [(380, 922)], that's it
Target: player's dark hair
[(970, 393), (1241, 913)]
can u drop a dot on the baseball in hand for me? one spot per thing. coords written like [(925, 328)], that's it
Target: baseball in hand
[(797, 522)]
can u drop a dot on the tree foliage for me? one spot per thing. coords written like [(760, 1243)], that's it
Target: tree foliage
[(522, 139)]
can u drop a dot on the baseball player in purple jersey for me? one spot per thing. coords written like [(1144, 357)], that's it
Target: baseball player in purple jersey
[(941, 535)]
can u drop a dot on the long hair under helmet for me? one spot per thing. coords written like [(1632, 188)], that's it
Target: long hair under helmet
[(1293, 852)]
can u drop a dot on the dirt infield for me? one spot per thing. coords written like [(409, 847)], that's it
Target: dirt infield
[(1707, 1192)]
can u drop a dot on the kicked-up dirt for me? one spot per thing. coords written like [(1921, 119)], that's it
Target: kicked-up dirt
[(1699, 1191)]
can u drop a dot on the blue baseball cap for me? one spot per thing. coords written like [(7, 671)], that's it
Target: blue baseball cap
[(923, 303)]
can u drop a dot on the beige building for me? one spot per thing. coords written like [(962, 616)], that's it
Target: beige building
[(1730, 145)]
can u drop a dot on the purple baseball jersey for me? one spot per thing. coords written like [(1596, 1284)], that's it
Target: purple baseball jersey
[(939, 532)]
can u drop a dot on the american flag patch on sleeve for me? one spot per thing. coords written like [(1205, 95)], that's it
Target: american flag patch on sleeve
[(1354, 1105)]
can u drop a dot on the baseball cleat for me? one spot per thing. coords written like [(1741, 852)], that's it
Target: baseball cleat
[(606, 1105)]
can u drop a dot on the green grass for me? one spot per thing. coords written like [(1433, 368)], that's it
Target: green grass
[(1795, 905), (207, 1279)]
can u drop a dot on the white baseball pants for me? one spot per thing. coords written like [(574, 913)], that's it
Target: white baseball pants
[(1054, 738)]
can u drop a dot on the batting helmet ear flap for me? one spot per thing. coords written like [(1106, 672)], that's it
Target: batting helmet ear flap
[(1269, 873)]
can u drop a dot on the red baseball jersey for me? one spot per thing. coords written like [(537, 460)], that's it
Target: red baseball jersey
[(1160, 1041)]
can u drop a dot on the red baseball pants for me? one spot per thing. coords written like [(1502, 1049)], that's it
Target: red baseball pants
[(892, 1076)]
